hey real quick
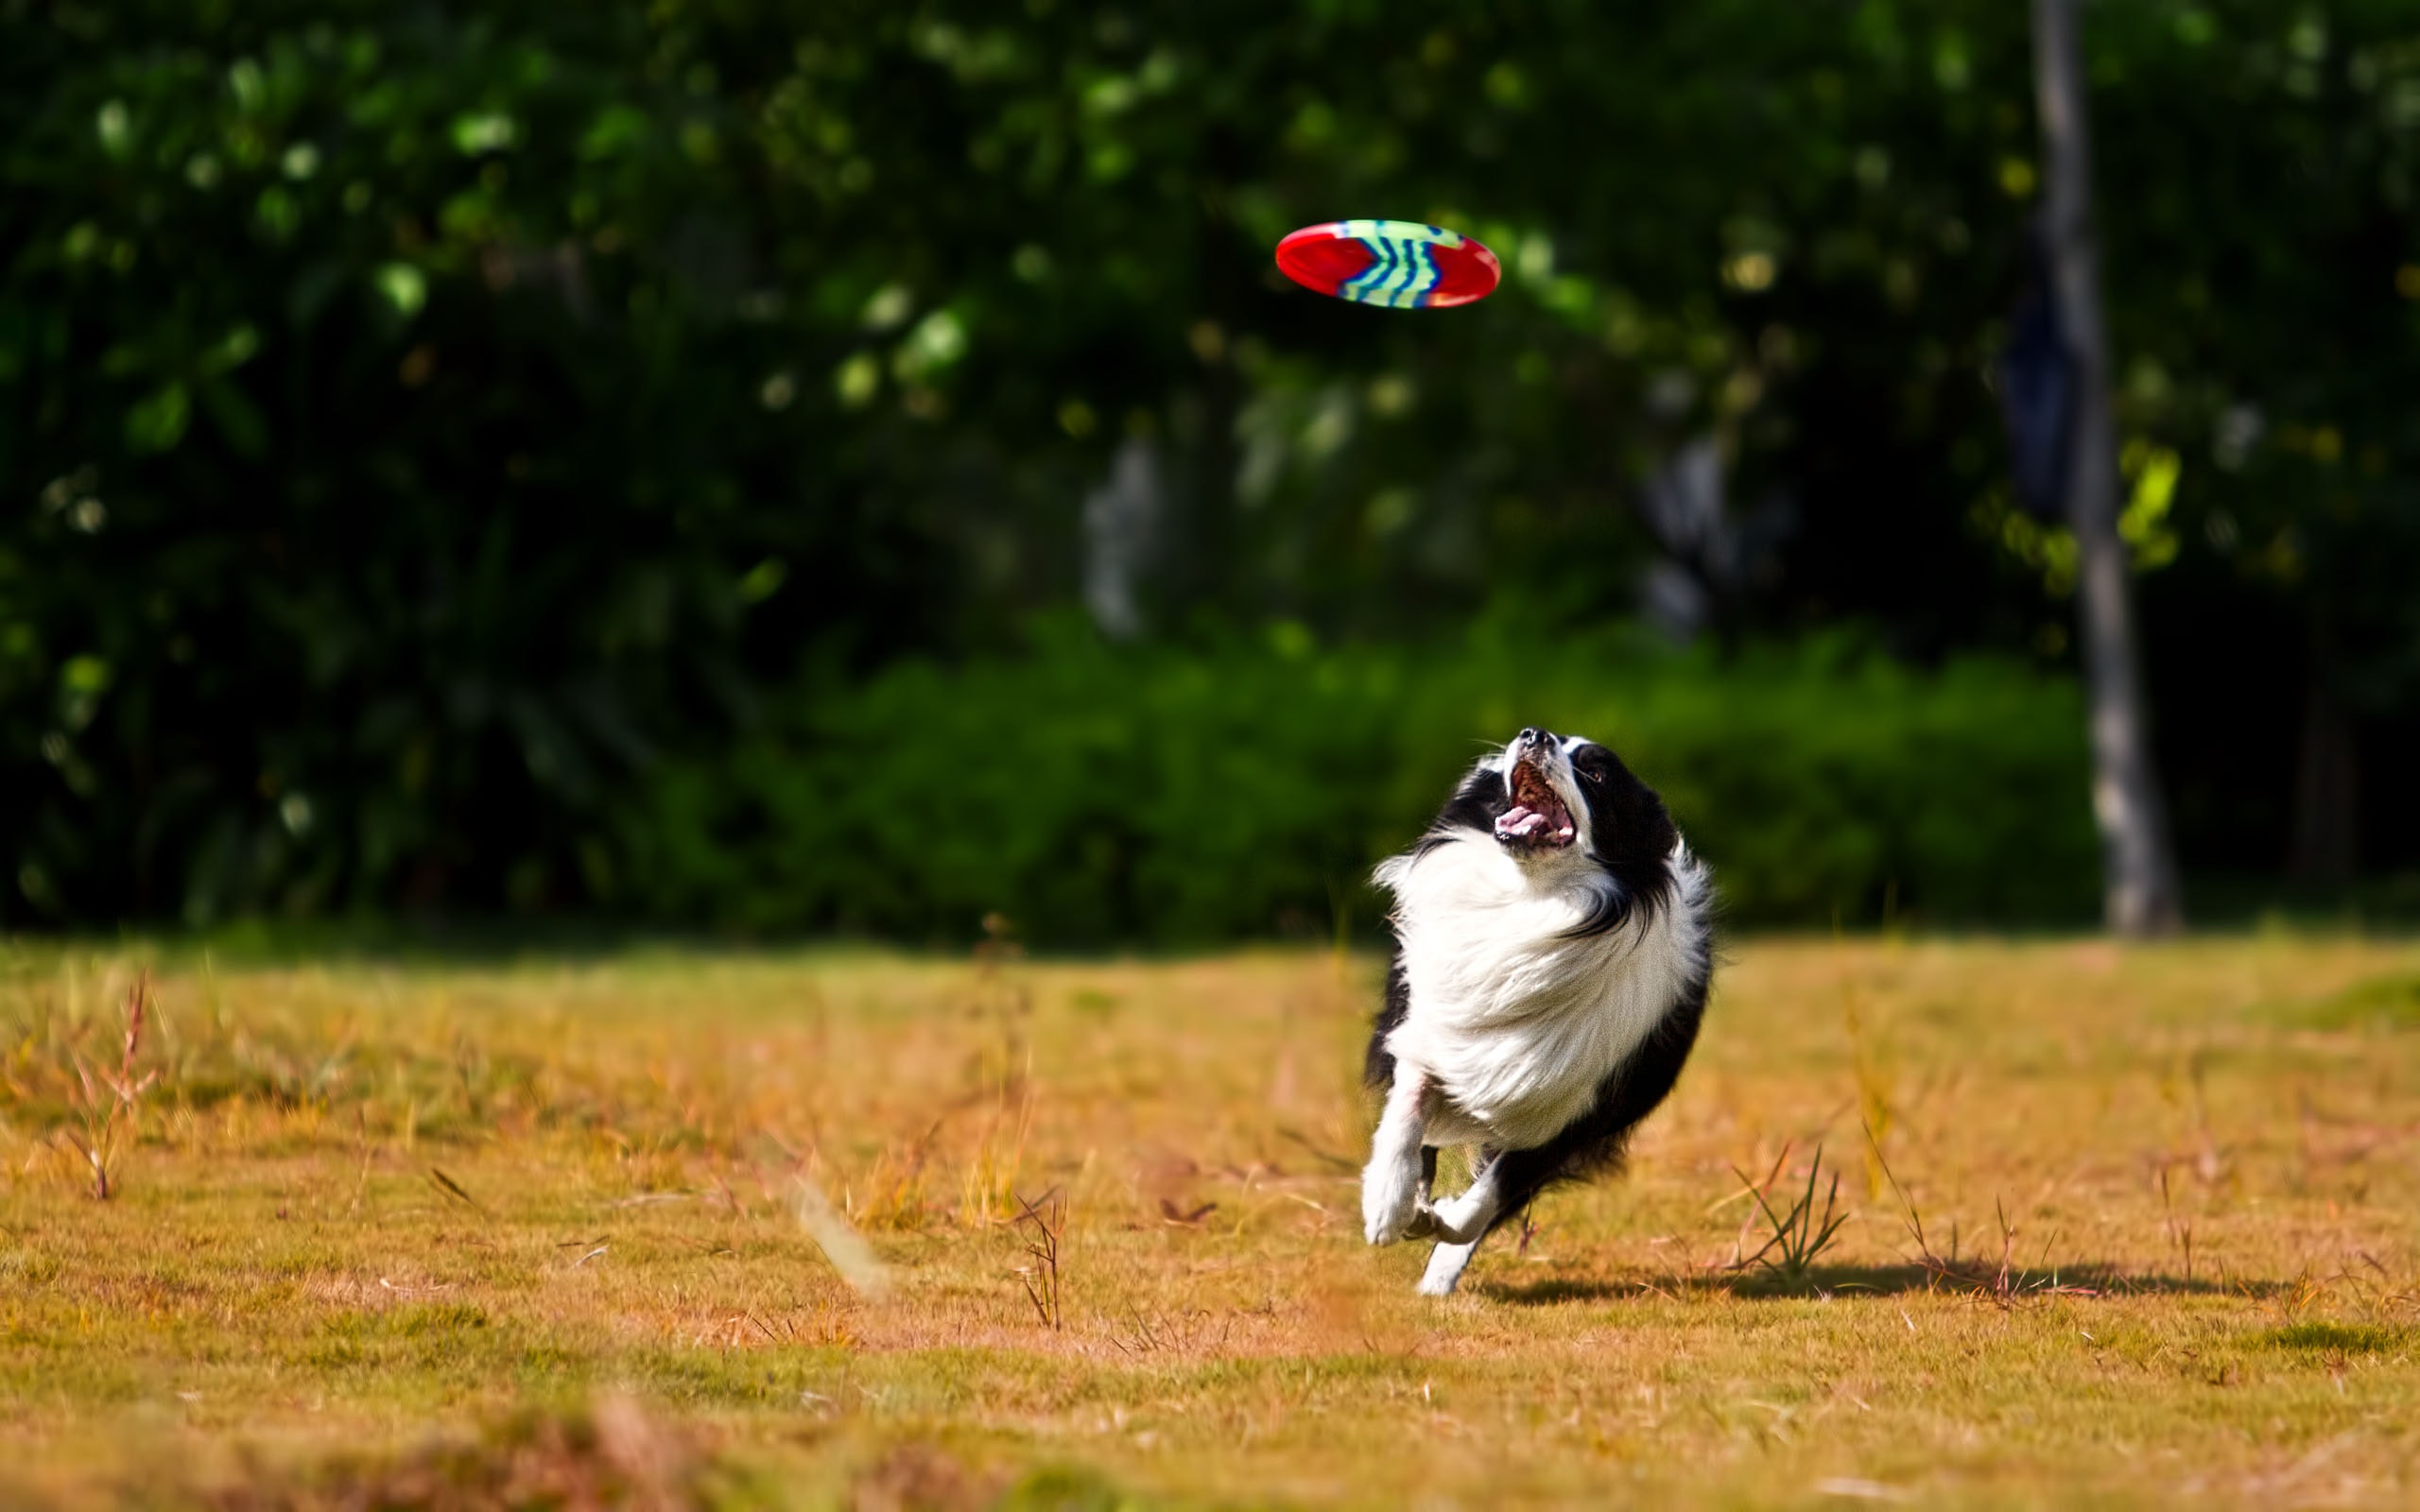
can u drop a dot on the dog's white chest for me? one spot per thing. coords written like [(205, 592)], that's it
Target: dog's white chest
[(1515, 1023)]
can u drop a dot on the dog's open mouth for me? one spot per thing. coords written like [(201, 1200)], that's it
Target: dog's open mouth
[(1537, 817)]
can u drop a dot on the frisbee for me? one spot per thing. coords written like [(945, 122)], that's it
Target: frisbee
[(1400, 265)]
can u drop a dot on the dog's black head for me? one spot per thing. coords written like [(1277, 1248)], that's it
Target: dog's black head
[(1545, 797)]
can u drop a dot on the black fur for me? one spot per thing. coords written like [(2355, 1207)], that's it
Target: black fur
[(1631, 833), (1378, 1067), (1476, 805), (1596, 1144)]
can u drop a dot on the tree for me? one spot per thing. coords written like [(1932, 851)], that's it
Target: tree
[(2139, 870)]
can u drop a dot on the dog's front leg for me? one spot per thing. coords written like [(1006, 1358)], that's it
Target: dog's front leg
[(1391, 1181)]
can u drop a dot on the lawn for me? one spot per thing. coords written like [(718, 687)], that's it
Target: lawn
[(2124, 1224)]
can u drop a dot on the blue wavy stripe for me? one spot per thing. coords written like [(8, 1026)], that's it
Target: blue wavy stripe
[(1400, 275)]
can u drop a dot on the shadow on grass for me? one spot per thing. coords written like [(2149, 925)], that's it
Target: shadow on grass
[(1850, 1282)]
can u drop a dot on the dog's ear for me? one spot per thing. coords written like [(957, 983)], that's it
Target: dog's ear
[(1627, 822)]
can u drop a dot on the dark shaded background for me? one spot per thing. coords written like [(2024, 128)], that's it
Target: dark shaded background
[(632, 461)]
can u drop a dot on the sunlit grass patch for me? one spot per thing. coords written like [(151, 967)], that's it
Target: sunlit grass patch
[(2390, 1002), (2340, 1338)]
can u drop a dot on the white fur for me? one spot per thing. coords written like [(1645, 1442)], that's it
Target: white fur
[(1512, 1024)]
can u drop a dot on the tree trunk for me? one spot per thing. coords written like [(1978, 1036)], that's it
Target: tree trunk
[(2138, 872)]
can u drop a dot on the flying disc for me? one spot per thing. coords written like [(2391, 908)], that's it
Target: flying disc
[(1401, 264)]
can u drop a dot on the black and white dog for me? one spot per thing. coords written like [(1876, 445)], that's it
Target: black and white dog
[(1553, 948)]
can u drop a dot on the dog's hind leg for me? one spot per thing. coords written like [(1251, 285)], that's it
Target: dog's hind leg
[(1459, 1223), (1391, 1184), (1464, 1219), (1504, 1187), (1445, 1264)]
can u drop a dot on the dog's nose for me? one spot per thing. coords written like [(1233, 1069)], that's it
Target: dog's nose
[(1533, 737)]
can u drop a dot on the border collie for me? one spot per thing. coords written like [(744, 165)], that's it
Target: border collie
[(1553, 948)]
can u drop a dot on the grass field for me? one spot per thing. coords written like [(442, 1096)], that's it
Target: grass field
[(750, 1230)]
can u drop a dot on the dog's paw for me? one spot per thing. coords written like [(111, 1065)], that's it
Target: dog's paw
[(1390, 1198), (1444, 1272)]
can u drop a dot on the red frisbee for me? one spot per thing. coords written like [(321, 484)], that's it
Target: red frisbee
[(1401, 264)]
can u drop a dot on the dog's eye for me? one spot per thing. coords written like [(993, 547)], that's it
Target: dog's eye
[(1592, 771)]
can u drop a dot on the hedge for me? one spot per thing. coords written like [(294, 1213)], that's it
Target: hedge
[(1094, 794)]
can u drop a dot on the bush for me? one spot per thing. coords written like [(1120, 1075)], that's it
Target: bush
[(1099, 794)]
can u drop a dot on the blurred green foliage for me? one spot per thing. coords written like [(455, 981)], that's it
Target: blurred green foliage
[(435, 437), (1094, 794)]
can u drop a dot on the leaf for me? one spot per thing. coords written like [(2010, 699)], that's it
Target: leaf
[(405, 286), (156, 423)]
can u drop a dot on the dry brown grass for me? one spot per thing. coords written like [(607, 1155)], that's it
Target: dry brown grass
[(2131, 1224)]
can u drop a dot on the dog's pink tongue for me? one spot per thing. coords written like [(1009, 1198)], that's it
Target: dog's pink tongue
[(1520, 821)]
